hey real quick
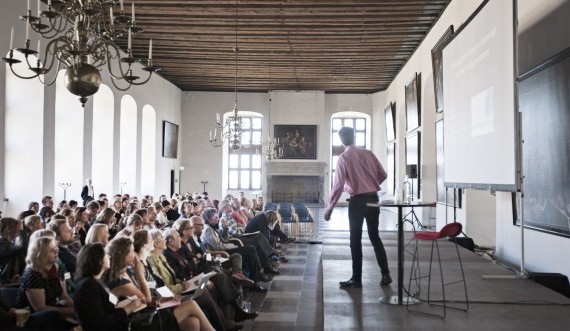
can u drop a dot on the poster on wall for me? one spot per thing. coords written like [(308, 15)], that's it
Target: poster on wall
[(169, 140), (413, 144), (297, 141), (413, 103), (390, 117), (391, 169), (437, 66)]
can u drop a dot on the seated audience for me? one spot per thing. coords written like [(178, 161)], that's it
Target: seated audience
[(92, 305), (42, 286), (12, 256), (188, 316)]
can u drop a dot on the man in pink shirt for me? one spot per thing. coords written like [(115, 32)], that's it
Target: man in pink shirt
[(359, 173)]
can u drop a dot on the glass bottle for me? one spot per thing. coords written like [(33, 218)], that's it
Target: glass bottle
[(407, 191)]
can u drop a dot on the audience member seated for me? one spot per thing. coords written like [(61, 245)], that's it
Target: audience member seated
[(43, 284), (12, 256), (188, 316), (134, 223), (64, 237), (92, 302), (172, 213), (238, 214), (167, 275), (212, 239), (190, 252), (98, 233), (264, 249)]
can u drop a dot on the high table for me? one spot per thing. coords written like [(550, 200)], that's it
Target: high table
[(399, 300)]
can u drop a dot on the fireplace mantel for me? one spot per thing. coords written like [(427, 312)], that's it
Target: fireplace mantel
[(295, 169)]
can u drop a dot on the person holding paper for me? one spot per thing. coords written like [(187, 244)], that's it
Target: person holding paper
[(93, 305), (187, 316)]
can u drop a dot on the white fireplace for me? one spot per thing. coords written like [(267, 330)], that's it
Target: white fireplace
[(295, 181)]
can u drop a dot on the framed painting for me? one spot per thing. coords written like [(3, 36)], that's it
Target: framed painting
[(413, 143), (169, 140), (391, 169), (437, 66), (390, 115), (413, 103), (297, 141), (444, 195)]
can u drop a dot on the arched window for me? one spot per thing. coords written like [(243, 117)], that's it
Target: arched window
[(102, 145), (360, 122), (148, 152), (244, 165), (128, 146), (24, 134), (68, 146)]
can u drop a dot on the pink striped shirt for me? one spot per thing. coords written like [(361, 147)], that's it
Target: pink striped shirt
[(357, 171)]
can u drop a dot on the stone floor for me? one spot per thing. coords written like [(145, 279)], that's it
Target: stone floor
[(306, 296)]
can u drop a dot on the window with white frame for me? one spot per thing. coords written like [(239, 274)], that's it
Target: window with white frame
[(244, 165), (359, 125)]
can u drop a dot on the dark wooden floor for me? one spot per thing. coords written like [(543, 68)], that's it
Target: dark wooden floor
[(306, 295)]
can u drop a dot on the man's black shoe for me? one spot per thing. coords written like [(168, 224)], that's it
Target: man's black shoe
[(265, 278), (386, 280), (271, 271), (351, 283), (257, 288)]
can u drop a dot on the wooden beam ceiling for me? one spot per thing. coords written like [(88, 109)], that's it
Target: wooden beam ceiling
[(353, 46)]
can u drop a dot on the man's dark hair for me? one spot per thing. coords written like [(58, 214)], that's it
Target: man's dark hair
[(45, 199), (93, 205), (346, 135)]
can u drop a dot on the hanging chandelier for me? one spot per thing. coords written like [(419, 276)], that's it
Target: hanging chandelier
[(271, 148), (82, 37), (230, 129)]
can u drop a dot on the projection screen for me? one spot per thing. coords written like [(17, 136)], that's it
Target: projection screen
[(480, 140)]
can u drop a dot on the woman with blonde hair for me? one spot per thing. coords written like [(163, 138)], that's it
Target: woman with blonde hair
[(42, 287), (33, 223), (98, 233)]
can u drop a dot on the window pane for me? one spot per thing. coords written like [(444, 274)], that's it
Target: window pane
[(233, 180), (349, 122), (256, 137), (360, 139), (245, 122), (246, 138), (256, 161), (244, 180), (334, 162), (256, 179), (244, 161), (256, 123), (233, 161), (336, 124), (336, 140), (360, 124)]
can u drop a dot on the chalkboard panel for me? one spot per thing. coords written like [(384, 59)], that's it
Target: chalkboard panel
[(544, 97)]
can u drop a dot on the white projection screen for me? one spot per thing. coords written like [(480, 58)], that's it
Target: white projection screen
[(480, 141)]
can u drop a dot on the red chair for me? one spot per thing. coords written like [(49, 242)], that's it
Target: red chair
[(451, 231)]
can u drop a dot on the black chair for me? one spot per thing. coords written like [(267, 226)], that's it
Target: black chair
[(287, 219)]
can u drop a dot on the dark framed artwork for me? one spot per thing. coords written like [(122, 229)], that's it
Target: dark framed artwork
[(437, 65), (297, 141), (544, 102), (391, 168), (413, 143), (444, 194), (169, 140), (413, 103), (390, 116)]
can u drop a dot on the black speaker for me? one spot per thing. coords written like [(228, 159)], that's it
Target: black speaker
[(412, 170), (464, 242), (554, 281)]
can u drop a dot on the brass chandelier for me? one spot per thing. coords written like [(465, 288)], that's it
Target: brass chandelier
[(82, 37), (230, 129)]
